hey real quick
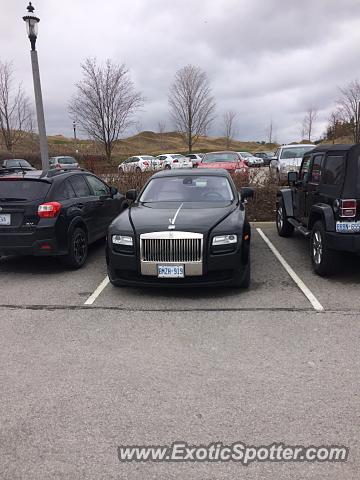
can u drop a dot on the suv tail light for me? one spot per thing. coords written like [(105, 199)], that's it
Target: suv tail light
[(146, 164), (175, 161), (49, 210), (348, 208)]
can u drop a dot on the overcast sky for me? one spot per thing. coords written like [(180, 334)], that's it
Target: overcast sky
[(264, 58)]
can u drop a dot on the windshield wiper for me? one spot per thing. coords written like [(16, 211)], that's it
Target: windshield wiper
[(13, 199)]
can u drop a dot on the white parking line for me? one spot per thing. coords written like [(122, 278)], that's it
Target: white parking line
[(305, 290), (97, 292)]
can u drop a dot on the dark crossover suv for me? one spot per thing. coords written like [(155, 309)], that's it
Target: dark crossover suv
[(184, 228), (322, 202), (59, 212)]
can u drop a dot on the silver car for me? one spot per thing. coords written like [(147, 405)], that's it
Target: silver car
[(287, 159), (63, 162)]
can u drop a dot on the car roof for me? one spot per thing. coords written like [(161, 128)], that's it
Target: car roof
[(213, 172), (48, 175), (299, 145), (335, 147), (221, 151)]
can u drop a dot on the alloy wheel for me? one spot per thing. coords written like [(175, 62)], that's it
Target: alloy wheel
[(317, 248)]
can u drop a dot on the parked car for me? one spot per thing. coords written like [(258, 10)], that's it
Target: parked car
[(139, 163), (266, 157), (16, 164), (251, 160), (322, 202), (288, 159), (230, 161), (174, 160), (184, 228), (195, 158), (59, 213), (63, 162)]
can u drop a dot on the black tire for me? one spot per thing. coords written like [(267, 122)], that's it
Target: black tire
[(78, 249), (325, 261), (167, 167), (138, 170), (242, 279), (284, 228)]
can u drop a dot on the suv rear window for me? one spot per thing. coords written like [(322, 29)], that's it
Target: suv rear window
[(334, 170), (22, 190)]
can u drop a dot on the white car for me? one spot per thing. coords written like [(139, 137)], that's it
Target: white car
[(251, 160), (174, 160), (139, 163), (287, 159), (195, 158)]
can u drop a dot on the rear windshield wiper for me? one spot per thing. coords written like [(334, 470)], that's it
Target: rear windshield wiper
[(12, 199)]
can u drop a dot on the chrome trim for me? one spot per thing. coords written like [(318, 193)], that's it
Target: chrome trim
[(171, 248)]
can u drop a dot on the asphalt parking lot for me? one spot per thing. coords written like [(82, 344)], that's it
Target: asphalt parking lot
[(83, 372)]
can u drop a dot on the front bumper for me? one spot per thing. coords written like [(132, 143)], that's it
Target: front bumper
[(220, 269)]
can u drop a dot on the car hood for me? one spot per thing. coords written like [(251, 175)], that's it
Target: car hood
[(152, 217)]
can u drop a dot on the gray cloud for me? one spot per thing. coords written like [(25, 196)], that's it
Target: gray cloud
[(264, 59)]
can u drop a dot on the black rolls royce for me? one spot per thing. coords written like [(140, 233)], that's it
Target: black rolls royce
[(184, 228)]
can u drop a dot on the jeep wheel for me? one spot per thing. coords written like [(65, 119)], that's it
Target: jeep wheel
[(78, 249), (284, 228), (324, 260)]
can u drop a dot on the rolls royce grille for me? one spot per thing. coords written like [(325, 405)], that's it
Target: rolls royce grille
[(173, 249)]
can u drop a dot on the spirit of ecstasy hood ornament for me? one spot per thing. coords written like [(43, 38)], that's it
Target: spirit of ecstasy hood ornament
[(173, 220)]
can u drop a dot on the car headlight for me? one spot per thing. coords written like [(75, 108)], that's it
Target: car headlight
[(122, 240), (224, 239)]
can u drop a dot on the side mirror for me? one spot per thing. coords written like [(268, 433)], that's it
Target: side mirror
[(113, 191), (246, 192), (293, 178), (131, 194)]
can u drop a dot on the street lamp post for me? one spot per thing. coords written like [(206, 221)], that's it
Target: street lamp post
[(32, 30)]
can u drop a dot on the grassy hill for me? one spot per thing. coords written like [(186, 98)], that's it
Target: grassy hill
[(143, 143)]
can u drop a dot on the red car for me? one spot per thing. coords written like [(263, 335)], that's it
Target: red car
[(230, 161)]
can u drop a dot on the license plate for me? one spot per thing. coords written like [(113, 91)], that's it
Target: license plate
[(348, 227), (171, 271), (5, 219)]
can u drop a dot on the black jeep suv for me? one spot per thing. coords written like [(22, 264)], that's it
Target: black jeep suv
[(59, 212), (322, 202)]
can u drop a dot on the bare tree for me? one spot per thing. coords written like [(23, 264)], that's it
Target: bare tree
[(161, 129), (229, 127), (270, 132), (105, 102), (192, 105), (16, 120), (308, 123), (349, 108), (334, 119)]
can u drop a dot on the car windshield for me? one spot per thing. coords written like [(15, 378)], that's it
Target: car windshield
[(17, 189), (66, 160), (220, 157), (178, 156), (295, 152), (16, 162), (182, 188)]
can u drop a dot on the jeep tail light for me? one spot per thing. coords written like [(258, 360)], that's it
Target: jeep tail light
[(49, 210), (348, 208)]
